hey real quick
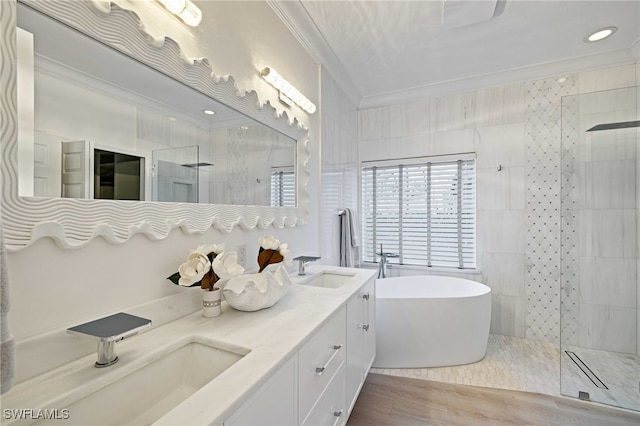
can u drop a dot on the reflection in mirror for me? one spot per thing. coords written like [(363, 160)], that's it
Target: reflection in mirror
[(117, 176), (117, 107), (175, 174)]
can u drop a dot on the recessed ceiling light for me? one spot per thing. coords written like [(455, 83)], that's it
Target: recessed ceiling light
[(601, 34), (208, 111)]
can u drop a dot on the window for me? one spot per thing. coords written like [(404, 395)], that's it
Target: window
[(422, 209), (283, 187)]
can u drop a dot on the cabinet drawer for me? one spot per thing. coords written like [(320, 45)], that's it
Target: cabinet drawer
[(330, 409), (319, 360)]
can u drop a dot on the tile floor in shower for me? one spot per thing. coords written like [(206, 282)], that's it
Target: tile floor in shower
[(532, 366)]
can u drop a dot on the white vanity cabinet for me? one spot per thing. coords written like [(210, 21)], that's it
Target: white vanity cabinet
[(321, 382), (361, 340), (320, 372), (274, 403)]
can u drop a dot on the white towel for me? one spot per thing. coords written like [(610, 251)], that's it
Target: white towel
[(7, 349), (349, 240)]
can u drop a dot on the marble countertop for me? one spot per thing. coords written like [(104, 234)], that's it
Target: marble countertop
[(270, 337)]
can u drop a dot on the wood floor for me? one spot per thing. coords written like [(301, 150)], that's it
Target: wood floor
[(388, 400)]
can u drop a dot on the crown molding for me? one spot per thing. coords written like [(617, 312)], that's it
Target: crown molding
[(294, 15), (512, 76)]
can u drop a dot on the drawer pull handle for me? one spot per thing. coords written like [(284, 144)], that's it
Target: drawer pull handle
[(365, 327), (365, 296), (337, 415), (321, 370)]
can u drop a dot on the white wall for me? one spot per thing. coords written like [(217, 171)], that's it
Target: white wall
[(53, 289), (339, 164), (518, 224)]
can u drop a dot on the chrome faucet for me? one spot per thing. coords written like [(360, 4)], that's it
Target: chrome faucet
[(303, 261), (382, 268), (108, 331)]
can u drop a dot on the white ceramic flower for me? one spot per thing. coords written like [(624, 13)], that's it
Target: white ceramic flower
[(206, 249), (269, 242), (193, 270), (226, 266), (285, 253)]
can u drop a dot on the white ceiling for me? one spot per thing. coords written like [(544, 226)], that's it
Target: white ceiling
[(388, 51)]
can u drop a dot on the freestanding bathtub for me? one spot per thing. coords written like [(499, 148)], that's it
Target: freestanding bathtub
[(431, 321)]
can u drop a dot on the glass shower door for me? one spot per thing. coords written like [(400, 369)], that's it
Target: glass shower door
[(175, 174), (600, 332)]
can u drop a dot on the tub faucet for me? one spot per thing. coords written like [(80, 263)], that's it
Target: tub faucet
[(108, 331), (382, 267), (303, 261)]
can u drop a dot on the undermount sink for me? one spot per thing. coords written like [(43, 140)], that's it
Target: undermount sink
[(328, 280), (153, 390)]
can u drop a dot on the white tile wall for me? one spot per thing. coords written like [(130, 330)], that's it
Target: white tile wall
[(519, 210), (542, 126), (339, 164)]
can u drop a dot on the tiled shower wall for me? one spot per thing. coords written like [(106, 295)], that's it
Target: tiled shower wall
[(516, 127), (339, 154)]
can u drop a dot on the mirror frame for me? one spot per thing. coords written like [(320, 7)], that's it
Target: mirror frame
[(73, 223)]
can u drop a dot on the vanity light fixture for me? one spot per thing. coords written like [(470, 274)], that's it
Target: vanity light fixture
[(208, 111), (601, 34), (185, 10), (288, 93)]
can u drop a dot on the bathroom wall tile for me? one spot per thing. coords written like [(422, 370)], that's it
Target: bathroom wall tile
[(395, 148), (501, 145), (452, 142), (375, 149), (543, 208), (606, 79), (608, 233), (452, 112), (507, 315), (613, 145), (608, 328), (608, 281), (397, 121), (373, 123), (609, 106), (501, 231), (417, 117), (500, 190), (517, 188), (504, 273), (500, 105), (607, 184), (493, 189)]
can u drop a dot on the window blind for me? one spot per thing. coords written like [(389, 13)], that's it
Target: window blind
[(424, 211), (283, 188)]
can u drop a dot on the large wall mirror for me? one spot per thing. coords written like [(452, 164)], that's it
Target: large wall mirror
[(111, 144)]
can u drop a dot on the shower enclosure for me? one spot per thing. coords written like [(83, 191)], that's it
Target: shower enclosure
[(175, 174), (599, 321)]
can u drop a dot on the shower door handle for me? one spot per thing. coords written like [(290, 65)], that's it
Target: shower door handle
[(365, 327)]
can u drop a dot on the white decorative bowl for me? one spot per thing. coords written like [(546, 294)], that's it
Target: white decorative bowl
[(252, 292)]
